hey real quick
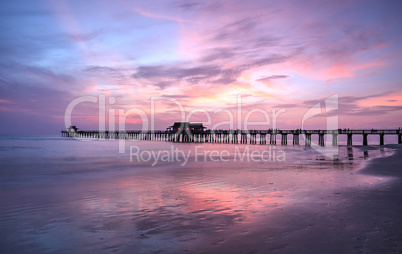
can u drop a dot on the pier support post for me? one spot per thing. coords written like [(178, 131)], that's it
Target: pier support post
[(399, 138), (350, 153), (350, 142), (365, 154), (272, 139), (365, 139), (308, 139), (284, 140), (381, 139), (263, 139), (253, 138), (334, 139), (321, 139), (296, 139)]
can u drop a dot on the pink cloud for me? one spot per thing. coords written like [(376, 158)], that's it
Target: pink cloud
[(5, 101)]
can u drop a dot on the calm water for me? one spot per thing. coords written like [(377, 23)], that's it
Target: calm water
[(65, 195)]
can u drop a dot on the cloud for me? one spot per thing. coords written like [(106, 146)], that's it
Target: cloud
[(160, 16), (99, 69), (82, 37), (176, 96), (35, 76), (5, 101), (20, 14), (164, 76), (189, 5), (371, 111), (272, 77), (39, 100), (349, 105), (235, 31), (105, 70), (218, 54), (348, 99)]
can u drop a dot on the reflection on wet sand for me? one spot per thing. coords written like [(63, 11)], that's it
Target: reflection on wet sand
[(350, 153), (169, 208)]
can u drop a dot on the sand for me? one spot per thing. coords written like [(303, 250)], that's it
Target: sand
[(353, 220), (102, 204)]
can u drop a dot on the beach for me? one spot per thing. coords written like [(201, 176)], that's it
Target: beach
[(351, 220), (69, 196)]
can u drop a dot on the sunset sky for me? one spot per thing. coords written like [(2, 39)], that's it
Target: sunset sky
[(204, 55)]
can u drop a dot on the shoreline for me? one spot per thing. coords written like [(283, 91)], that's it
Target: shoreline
[(388, 164)]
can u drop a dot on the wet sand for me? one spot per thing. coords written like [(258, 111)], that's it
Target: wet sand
[(83, 197), (351, 220)]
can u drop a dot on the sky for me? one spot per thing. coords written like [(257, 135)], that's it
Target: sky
[(253, 64)]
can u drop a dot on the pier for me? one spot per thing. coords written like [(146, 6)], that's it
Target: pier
[(202, 135)]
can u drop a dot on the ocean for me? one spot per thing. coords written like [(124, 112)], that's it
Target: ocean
[(64, 195)]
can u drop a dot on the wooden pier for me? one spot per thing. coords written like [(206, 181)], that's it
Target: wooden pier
[(235, 136)]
